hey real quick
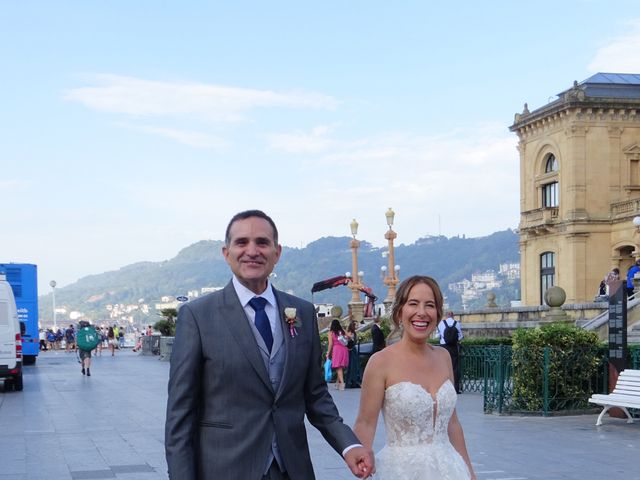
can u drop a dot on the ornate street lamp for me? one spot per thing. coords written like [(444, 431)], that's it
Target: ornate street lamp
[(357, 307), (390, 273), (53, 284)]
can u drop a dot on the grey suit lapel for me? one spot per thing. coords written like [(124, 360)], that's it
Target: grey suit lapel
[(278, 333), (235, 320), (287, 344)]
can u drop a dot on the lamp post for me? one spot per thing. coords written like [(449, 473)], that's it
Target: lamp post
[(53, 284), (390, 273), (357, 307)]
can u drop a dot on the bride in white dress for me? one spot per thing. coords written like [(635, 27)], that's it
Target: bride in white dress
[(411, 382)]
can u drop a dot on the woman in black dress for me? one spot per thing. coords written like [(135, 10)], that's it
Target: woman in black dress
[(354, 375)]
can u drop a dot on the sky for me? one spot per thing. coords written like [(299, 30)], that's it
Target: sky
[(130, 129)]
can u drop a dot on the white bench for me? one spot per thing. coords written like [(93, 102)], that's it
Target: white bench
[(625, 395)]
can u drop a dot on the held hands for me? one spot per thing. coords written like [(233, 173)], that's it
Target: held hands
[(361, 462)]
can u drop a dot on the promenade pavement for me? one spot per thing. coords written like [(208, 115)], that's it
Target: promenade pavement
[(64, 425)]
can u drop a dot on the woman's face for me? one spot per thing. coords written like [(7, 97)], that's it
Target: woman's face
[(419, 315)]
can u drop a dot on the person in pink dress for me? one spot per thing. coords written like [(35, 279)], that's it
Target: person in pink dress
[(338, 351)]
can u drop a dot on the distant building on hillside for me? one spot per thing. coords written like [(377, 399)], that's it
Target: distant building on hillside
[(579, 186), (510, 271), (482, 282), (205, 290), (167, 305)]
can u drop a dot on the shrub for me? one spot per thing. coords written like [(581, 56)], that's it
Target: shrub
[(567, 356), (167, 326), (485, 342)]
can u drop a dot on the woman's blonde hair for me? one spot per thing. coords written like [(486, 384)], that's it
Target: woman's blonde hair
[(402, 295)]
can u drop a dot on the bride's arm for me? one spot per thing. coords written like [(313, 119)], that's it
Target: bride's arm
[(371, 398), (456, 435)]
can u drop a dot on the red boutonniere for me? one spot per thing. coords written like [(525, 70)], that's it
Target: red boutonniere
[(292, 320)]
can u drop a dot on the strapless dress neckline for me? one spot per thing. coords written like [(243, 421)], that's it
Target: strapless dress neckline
[(416, 423)]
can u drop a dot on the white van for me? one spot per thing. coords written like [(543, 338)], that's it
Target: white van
[(10, 338)]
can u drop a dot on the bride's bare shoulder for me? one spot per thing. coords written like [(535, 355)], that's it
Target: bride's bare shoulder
[(383, 361)]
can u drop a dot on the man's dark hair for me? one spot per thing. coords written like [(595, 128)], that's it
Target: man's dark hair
[(248, 214)]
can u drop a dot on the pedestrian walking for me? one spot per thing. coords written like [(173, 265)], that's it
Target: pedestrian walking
[(450, 333)]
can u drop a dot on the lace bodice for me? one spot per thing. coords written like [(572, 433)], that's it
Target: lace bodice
[(418, 446), (409, 412)]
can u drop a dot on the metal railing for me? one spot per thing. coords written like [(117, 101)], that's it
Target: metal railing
[(474, 360), (537, 381), (498, 379)]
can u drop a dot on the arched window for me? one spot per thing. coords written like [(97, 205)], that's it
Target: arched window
[(547, 273), (550, 189), (550, 195)]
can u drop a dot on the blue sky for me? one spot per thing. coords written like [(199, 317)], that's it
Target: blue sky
[(131, 129)]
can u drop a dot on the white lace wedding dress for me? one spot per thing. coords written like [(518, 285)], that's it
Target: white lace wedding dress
[(418, 447)]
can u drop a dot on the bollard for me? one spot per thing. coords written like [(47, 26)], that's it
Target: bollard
[(146, 345), (166, 346)]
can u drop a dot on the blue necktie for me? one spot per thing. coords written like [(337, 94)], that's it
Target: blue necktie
[(262, 320)]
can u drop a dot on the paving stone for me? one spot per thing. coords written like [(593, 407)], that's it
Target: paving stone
[(64, 426)]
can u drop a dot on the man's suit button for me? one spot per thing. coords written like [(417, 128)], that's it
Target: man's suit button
[(274, 407)]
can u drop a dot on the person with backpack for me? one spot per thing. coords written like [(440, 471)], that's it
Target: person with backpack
[(87, 339), (450, 334)]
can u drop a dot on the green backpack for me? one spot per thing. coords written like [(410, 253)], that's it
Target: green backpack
[(87, 338)]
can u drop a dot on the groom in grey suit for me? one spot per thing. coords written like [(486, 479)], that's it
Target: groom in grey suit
[(245, 372)]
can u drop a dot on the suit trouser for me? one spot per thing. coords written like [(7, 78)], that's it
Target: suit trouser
[(455, 363), (274, 473)]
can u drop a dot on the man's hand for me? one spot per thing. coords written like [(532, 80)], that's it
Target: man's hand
[(360, 461)]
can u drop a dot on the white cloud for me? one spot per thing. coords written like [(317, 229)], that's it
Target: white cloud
[(473, 150), (193, 139), (621, 54), (315, 141), (139, 97), (467, 181)]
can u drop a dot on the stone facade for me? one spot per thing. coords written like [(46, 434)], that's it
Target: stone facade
[(580, 187), (502, 322)]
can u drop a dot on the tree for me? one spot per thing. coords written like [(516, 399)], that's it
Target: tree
[(167, 326)]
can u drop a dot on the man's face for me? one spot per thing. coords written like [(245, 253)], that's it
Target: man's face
[(252, 252)]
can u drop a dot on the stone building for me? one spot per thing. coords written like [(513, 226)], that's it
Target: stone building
[(580, 187)]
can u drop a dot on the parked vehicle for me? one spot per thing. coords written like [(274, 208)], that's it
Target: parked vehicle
[(10, 338), (23, 278)]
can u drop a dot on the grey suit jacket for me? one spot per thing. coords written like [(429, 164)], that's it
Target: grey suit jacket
[(222, 411)]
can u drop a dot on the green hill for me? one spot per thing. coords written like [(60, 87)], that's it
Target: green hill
[(448, 260)]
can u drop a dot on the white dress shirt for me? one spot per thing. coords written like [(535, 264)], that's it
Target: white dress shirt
[(245, 295), (448, 322)]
